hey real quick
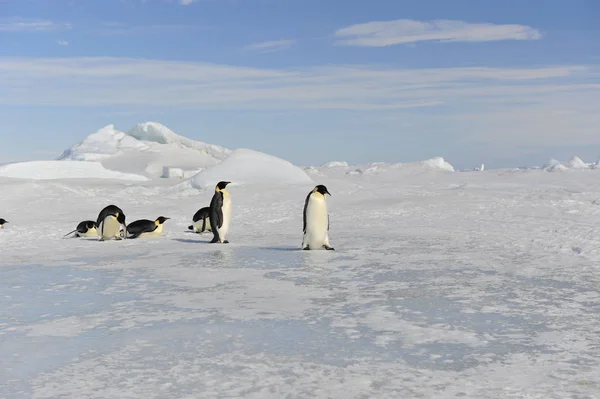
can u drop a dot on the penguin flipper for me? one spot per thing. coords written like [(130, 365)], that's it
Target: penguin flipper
[(191, 227), (304, 213)]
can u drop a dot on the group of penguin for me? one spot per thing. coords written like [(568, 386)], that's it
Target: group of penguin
[(111, 223)]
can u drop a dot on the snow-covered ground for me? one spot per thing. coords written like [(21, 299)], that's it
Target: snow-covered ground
[(443, 284)]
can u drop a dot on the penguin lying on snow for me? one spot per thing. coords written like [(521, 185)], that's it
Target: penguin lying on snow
[(200, 220), (2, 222), (316, 220), (146, 228), (109, 223), (220, 213), (87, 228)]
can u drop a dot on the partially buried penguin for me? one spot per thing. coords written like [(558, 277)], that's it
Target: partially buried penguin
[(87, 228), (316, 220), (145, 228), (220, 213), (201, 220), (2, 223)]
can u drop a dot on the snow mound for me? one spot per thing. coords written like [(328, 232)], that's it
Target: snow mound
[(246, 166), (106, 142), (577, 163), (146, 150), (335, 164), (574, 163), (158, 133), (438, 163), (51, 170), (554, 166)]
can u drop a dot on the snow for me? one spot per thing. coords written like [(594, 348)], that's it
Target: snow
[(245, 166), (104, 143), (145, 150), (574, 163), (158, 133), (471, 285), (335, 164), (438, 163), (577, 163), (52, 170)]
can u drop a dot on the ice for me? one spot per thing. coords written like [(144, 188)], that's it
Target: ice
[(245, 166), (443, 285)]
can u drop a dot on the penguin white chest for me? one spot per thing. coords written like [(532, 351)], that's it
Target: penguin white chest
[(316, 222), (226, 209), (109, 228), (90, 233), (157, 231)]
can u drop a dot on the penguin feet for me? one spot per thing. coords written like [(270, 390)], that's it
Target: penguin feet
[(327, 247), (225, 242), (306, 248)]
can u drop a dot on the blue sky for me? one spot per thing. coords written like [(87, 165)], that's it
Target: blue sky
[(504, 82)]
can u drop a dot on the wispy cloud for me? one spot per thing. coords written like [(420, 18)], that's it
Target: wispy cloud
[(552, 104), (119, 28), (186, 2), (269, 47), (62, 43), (403, 31), (30, 25)]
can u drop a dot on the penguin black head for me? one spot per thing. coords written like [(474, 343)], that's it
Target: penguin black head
[(221, 185), (161, 219), (2, 221), (90, 225), (321, 189)]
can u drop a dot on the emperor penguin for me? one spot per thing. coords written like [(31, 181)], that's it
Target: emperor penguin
[(111, 220), (220, 213), (87, 228), (316, 220), (2, 223), (200, 220), (145, 228)]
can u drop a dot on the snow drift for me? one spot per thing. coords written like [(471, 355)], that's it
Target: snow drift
[(574, 163), (146, 150), (383, 169), (50, 170), (246, 166)]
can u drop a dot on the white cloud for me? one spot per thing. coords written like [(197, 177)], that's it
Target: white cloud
[(269, 47), (30, 25), (403, 31), (92, 81), (62, 43), (548, 105), (186, 2)]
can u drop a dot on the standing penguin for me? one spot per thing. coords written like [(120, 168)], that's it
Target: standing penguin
[(316, 220), (200, 220), (146, 228), (110, 222), (220, 213), (87, 228), (2, 222)]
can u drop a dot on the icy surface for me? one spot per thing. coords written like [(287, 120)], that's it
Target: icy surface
[(442, 285), (246, 166), (51, 170)]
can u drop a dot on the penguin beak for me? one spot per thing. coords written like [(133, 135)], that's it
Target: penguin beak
[(327, 192)]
